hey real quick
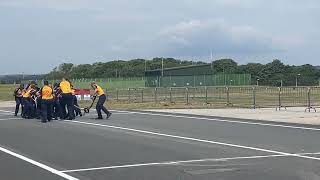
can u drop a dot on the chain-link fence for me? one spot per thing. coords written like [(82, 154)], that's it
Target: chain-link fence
[(251, 97)]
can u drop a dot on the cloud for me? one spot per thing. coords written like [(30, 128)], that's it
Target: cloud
[(61, 5), (202, 36), (85, 29)]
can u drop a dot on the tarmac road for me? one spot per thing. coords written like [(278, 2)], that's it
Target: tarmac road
[(156, 146)]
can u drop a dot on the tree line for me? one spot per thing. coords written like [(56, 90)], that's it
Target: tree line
[(274, 73)]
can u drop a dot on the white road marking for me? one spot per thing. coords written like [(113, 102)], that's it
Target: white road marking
[(213, 119), (175, 163), (8, 119), (43, 166), (223, 120), (5, 115), (11, 112), (196, 140), (93, 114)]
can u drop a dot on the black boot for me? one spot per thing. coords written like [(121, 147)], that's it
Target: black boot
[(109, 115)]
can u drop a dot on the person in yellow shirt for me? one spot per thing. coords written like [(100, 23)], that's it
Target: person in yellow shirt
[(102, 99), (26, 100), (46, 102), (67, 99)]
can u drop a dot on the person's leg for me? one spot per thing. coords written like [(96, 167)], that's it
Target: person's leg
[(24, 110), (103, 108), (44, 111), (99, 106), (21, 104), (33, 108), (28, 109), (22, 107), (18, 102), (56, 109), (63, 104), (38, 109), (76, 106), (75, 109), (49, 110), (70, 106)]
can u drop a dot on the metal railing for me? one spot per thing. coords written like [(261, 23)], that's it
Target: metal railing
[(248, 96)]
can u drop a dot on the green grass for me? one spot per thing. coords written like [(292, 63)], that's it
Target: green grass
[(112, 85), (6, 92)]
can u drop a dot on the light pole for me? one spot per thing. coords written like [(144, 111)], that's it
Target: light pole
[(145, 65), (162, 65), (231, 82), (298, 75)]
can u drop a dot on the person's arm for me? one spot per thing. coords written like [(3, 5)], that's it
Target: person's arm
[(95, 94), (15, 92)]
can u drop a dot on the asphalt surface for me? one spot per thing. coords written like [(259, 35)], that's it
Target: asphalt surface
[(135, 146)]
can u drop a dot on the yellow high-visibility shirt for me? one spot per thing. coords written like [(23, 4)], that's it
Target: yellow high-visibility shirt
[(47, 93), (27, 93), (99, 91), (65, 87)]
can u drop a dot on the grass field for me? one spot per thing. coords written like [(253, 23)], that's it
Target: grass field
[(6, 92), (109, 83), (203, 97)]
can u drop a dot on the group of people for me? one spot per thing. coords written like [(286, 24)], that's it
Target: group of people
[(54, 101)]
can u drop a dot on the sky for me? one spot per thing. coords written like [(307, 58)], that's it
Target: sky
[(37, 35)]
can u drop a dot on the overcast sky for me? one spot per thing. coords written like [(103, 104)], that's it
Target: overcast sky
[(37, 35)]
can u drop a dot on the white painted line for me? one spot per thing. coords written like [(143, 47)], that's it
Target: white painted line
[(223, 120), (45, 167), (5, 115), (7, 111), (196, 140), (175, 163), (8, 119), (93, 115)]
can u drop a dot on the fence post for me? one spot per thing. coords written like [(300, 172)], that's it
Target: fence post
[(228, 96), (279, 100), (170, 92), (187, 95), (129, 92), (142, 95), (254, 97), (206, 92), (155, 95), (309, 101), (117, 94)]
